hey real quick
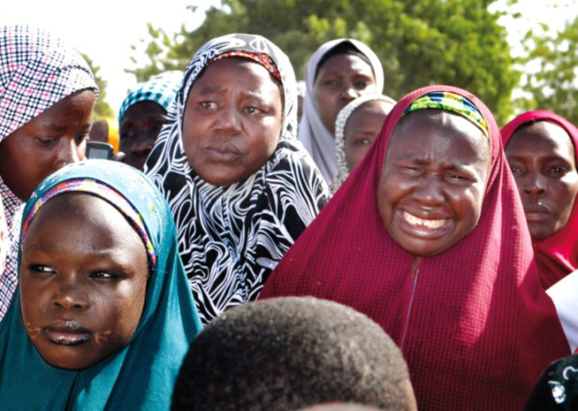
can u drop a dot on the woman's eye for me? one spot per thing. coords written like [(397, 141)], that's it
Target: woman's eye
[(332, 83), (104, 275), (557, 170), (362, 84), (253, 111), (516, 170), (46, 140), (39, 268), (81, 139), (362, 142), (209, 105), (411, 170)]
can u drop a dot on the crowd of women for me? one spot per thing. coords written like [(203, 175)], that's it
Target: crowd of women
[(451, 244)]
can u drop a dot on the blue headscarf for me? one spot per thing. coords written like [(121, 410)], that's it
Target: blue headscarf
[(161, 89), (142, 374)]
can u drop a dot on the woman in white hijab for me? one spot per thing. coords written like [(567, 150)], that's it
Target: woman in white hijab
[(337, 73)]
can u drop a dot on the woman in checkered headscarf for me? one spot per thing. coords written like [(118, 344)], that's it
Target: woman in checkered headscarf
[(47, 94), (143, 113)]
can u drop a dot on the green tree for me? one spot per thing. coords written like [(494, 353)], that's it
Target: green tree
[(551, 70), (420, 42), (102, 109)]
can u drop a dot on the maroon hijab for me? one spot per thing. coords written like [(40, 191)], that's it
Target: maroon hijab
[(473, 322), (557, 255)]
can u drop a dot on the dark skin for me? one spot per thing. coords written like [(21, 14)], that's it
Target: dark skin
[(361, 129), (340, 80), (541, 156), (139, 129), (46, 143), (83, 281), (433, 181), (232, 121)]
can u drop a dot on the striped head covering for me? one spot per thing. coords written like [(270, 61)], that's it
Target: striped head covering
[(37, 70), (161, 89), (340, 124)]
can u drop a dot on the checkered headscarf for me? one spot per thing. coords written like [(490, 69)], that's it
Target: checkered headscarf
[(161, 89), (36, 71)]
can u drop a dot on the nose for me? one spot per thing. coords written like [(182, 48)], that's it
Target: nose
[(428, 192), (227, 120), (70, 295), (349, 94), (535, 186), (144, 145), (68, 152)]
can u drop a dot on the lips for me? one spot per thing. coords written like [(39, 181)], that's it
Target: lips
[(222, 154), (67, 333), (536, 212), (423, 227)]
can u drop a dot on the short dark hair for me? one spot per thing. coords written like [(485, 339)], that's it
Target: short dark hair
[(289, 353)]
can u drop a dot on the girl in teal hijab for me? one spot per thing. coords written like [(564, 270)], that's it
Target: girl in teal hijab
[(42, 337)]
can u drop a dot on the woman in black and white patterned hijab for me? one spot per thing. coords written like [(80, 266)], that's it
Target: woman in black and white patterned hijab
[(240, 186)]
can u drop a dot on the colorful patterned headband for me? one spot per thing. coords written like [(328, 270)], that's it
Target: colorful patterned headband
[(88, 185), (446, 100), (261, 58)]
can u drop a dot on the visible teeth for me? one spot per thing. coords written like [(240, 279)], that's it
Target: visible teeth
[(413, 220)]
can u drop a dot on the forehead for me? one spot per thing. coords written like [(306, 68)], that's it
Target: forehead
[(75, 209), (254, 75), (345, 64), (439, 134), (542, 138)]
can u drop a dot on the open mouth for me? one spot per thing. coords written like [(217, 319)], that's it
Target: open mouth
[(434, 224), (67, 336)]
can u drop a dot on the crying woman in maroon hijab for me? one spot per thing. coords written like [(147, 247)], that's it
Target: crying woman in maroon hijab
[(427, 237)]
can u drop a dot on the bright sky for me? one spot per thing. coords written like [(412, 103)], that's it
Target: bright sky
[(106, 30)]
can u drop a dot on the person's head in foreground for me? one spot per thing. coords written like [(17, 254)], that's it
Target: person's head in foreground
[(289, 353), (357, 126), (103, 314), (338, 72), (47, 95), (240, 186), (142, 116), (426, 238), (541, 150)]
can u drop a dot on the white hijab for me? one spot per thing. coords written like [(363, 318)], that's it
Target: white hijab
[(319, 141)]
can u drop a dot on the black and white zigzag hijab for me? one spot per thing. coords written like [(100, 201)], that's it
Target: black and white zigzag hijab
[(231, 237)]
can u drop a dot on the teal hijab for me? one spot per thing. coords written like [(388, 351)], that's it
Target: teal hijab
[(142, 374)]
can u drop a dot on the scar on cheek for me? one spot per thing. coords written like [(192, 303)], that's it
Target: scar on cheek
[(33, 332), (101, 338)]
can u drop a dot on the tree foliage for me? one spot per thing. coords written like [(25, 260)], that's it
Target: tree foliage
[(551, 70), (102, 109), (420, 42)]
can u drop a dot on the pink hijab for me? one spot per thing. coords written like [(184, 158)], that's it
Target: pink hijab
[(557, 255), (473, 322)]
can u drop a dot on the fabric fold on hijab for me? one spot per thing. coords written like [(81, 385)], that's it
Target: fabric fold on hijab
[(473, 322), (231, 237), (319, 141), (557, 255), (36, 71), (141, 375)]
